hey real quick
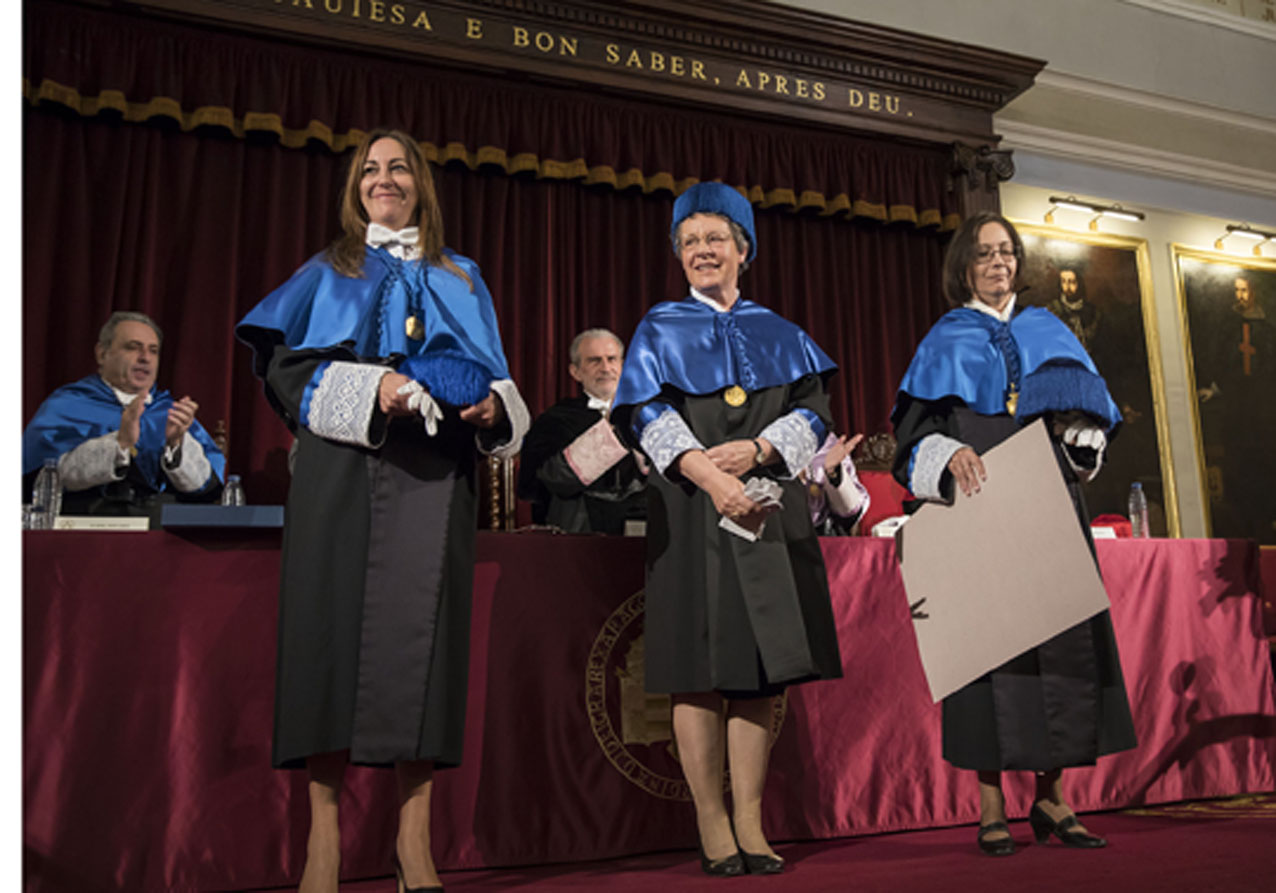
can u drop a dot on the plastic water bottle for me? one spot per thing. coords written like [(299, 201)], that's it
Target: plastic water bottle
[(1138, 507), (233, 492), (46, 497)]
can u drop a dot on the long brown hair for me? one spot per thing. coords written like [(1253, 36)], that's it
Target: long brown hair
[(961, 253), (347, 252)]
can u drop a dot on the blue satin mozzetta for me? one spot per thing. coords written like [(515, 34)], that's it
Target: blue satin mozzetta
[(962, 357), (319, 308), (690, 347), (88, 408)]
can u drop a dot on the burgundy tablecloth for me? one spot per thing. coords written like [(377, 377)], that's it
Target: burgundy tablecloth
[(148, 675)]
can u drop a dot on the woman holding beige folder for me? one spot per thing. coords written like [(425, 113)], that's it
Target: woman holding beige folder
[(985, 370)]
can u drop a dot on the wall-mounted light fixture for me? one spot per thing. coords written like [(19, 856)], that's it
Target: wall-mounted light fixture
[(1072, 203), (1260, 237)]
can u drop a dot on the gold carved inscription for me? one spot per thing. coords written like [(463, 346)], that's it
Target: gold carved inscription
[(637, 61), (655, 61), (876, 102), (781, 85), (546, 42)]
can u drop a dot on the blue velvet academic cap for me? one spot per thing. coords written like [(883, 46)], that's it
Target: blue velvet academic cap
[(716, 198)]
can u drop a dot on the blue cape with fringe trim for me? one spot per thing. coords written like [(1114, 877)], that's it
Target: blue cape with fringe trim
[(959, 358), (317, 308), (689, 346)]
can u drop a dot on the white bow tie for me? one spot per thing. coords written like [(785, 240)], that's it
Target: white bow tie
[(600, 405), (379, 235)]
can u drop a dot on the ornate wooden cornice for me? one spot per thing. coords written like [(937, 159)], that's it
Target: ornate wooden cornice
[(750, 57)]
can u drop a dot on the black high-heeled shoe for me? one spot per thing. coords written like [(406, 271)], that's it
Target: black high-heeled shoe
[(1001, 846), (731, 866), (1043, 826), (761, 863), (403, 885)]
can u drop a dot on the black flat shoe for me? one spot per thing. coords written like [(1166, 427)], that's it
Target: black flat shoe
[(760, 863), (403, 886), (731, 866), (1001, 846), (1043, 826)]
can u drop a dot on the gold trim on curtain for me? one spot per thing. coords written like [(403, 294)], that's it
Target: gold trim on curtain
[(523, 162)]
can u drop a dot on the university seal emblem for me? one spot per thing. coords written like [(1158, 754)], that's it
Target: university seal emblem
[(634, 729)]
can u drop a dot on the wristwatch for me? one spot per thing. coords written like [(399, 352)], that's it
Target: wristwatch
[(760, 455)]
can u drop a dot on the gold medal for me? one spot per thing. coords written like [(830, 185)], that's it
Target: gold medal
[(1012, 400), (414, 327), (735, 395)]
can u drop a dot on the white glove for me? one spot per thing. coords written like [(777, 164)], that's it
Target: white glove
[(1083, 434), (421, 401)]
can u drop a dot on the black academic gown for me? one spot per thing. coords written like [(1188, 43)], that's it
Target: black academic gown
[(1060, 704), (722, 613), (375, 587), (558, 497)]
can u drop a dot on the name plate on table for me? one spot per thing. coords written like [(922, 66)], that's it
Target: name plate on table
[(189, 515), (91, 522)]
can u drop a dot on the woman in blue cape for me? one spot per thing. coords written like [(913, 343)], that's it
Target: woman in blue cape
[(979, 375), (717, 389), (382, 355)]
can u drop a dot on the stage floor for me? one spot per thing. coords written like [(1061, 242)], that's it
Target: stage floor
[(1224, 845)]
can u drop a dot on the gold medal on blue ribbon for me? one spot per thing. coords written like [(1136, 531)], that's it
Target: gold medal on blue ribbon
[(1012, 400), (414, 327), (735, 395)]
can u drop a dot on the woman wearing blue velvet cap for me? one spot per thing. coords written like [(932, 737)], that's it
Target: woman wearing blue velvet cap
[(383, 356), (985, 370), (718, 390)]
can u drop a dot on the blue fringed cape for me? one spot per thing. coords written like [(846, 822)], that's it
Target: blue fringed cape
[(692, 348), (88, 408), (318, 308), (960, 357)]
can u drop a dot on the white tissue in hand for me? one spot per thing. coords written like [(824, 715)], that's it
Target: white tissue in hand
[(765, 492)]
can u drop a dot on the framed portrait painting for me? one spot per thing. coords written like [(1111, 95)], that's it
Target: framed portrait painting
[(1101, 287), (1228, 307)]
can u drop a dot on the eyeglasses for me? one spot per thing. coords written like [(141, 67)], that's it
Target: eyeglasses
[(986, 253), (713, 240)]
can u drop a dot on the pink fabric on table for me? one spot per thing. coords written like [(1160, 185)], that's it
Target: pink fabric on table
[(148, 696)]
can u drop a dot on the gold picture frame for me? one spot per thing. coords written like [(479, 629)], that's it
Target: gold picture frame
[(1109, 305), (1230, 344)]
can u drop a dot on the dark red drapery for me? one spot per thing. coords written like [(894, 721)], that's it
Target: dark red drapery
[(194, 226), (142, 69)]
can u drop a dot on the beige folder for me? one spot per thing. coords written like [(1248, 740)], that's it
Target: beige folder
[(1001, 571)]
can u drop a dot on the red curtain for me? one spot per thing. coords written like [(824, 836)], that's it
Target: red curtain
[(194, 229), (193, 225), (99, 62)]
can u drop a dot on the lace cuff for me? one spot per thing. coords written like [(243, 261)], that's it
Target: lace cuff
[(666, 438), (930, 461), (516, 414), (793, 439), (93, 463), (193, 469), (344, 398)]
